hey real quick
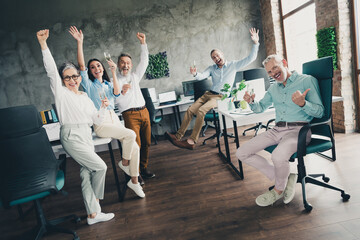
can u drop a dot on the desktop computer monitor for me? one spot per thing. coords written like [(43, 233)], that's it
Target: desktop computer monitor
[(188, 87)]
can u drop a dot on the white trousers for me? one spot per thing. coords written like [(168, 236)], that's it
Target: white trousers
[(77, 142), (286, 139), (112, 127)]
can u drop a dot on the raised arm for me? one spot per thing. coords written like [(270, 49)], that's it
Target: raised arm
[(49, 63), (144, 56), (79, 37), (254, 35), (116, 84)]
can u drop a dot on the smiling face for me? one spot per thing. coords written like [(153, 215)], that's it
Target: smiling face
[(71, 79), (96, 69), (278, 70), (218, 57), (125, 65)]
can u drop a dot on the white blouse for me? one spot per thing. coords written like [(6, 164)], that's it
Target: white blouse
[(72, 108)]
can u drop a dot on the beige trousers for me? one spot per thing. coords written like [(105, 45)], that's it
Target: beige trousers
[(77, 142), (204, 104), (112, 127)]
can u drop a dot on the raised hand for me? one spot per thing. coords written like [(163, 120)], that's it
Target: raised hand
[(112, 65), (78, 35), (299, 98), (141, 37), (42, 36), (254, 35), (193, 70), (249, 98)]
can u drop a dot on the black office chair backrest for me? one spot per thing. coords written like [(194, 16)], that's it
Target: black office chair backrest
[(200, 87), (149, 103), (239, 76), (257, 73), (28, 164), (322, 70)]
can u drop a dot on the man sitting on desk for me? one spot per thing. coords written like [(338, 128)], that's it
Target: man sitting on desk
[(221, 72), (296, 99)]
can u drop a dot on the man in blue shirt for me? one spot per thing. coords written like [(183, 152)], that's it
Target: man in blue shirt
[(221, 72), (296, 99)]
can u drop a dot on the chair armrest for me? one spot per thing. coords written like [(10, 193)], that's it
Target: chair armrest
[(301, 148)]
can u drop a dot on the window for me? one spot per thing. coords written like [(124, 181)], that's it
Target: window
[(299, 26)]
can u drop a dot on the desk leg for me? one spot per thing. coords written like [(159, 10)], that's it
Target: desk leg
[(228, 159), (177, 117), (120, 195), (217, 129), (237, 146)]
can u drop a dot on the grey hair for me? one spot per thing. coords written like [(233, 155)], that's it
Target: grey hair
[(66, 66), (272, 56)]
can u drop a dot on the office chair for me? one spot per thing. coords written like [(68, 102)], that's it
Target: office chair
[(29, 170), (252, 74), (152, 111), (322, 138)]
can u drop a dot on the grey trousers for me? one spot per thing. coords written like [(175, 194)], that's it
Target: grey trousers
[(77, 142), (286, 139)]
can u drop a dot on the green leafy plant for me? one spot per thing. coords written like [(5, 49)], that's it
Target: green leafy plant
[(158, 66), (228, 92), (326, 44)]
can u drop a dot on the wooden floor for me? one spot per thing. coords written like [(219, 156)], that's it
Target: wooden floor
[(195, 195)]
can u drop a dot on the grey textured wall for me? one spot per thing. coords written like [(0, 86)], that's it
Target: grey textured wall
[(186, 29)]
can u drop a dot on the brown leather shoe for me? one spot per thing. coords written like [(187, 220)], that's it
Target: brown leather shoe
[(145, 173), (184, 144), (171, 137)]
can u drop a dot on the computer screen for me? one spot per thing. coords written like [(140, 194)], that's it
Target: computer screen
[(188, 87), (167, 98)]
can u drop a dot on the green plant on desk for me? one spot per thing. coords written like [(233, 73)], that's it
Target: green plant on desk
[(233, 92)]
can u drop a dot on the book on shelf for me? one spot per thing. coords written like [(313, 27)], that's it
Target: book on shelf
[(48, 116)]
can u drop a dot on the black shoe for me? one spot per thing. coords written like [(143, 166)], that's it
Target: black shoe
[(146, 173), (141, 180)]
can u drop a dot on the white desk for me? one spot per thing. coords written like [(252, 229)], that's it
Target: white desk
[(239, 120), (53, 131), (176, 108)]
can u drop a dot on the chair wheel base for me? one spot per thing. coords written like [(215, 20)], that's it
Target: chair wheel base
[(326, 179), (345, 197), (308, 207)]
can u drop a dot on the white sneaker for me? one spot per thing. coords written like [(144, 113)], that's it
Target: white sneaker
[(100, 217), (126, 169), (268, 198), (136, 188), (289, 191)]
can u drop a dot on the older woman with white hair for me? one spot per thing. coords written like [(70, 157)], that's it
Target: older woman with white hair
[(77, 114)]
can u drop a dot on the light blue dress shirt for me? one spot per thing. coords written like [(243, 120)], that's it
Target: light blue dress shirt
[(226, 74), (92, 89), (286, 110)]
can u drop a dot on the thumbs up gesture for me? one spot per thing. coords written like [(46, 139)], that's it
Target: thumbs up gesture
[(299, 98)]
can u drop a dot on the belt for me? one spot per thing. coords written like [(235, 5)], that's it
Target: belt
[(290, 124), (134, 109), (213, 92)]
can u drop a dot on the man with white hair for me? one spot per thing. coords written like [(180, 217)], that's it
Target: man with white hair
[(296, 99), (222, 72)]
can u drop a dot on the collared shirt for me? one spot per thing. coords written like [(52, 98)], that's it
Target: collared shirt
[(281, 96), (133, 98), (226, 74), (72, 108), (92, 88)]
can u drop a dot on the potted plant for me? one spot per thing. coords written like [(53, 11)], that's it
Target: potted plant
[(228, 92)]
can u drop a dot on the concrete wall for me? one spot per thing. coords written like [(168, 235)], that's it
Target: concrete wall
[(187, 30)]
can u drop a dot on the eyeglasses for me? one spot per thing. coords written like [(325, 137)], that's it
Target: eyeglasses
[(74, 77)]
